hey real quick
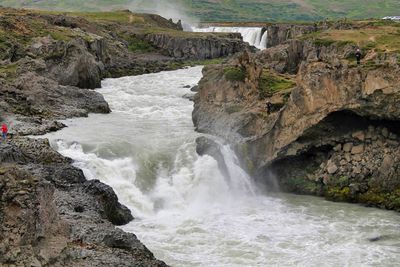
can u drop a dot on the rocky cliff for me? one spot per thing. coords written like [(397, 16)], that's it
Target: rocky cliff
[(197, 46), (50, 215), (304, 116)]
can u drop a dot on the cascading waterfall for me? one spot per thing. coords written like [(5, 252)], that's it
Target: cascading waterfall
[(252, 35), (186, 212)]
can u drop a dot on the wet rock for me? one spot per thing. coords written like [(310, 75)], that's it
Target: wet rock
[(115, 212), (189, 96), (55, 217), (195, 88), (206, 146)]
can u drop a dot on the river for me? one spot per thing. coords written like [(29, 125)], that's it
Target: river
[(187, 213)]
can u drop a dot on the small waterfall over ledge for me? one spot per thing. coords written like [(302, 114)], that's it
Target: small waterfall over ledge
[(252, 35), (187, 212)]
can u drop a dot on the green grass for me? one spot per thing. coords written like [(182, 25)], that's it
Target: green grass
[(271, 83), (137, 45), (235, 74), (384, 38), (9, 72)]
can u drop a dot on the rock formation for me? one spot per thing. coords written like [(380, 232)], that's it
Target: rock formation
[(197, 46), (50, 215), (331, 128)]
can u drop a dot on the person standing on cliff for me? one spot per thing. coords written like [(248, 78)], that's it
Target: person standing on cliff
[(358, 56), (4, 131)]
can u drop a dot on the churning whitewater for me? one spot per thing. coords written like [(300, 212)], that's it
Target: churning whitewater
[(187, 213)]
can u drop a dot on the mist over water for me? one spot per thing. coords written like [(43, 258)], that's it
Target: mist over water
[(187, 213), (174, 10)]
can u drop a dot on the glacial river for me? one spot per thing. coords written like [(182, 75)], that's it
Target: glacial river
[(187, 213)]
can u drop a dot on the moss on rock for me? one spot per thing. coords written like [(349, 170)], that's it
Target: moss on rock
[(235, 74), (271, 83)]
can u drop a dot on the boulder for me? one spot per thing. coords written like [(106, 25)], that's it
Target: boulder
[(347, 147), (357, 149), (115, 212)]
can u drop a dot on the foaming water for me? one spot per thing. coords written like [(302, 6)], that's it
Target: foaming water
[(252, 35), (187, 212)]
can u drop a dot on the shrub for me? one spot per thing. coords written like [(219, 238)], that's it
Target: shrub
[(235, 74), (138, 45), (270, 84)]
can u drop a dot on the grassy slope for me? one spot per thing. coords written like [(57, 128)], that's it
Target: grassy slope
[(380, 35), (236, 10)]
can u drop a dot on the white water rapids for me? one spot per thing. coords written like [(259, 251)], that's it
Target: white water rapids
[(252, 35), (186, 213)]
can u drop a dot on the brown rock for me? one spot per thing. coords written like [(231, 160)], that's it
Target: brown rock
[(392, 143), (332, 168), (357, 149), (360, 135), (357, 158), (347, 147), (338, 147), (357, 170)]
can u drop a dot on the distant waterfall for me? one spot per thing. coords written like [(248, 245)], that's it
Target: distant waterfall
[(252, 35)]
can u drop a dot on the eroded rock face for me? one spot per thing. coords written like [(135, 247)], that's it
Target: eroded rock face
[(198, 47), (50, 214), (319, 134)]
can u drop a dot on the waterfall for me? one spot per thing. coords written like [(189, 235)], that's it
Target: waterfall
[(252, 35), (186, 211)]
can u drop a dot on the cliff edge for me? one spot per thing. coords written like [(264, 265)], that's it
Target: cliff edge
[(304, 116)]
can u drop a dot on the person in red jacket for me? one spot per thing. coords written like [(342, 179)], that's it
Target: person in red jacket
[(4, 131)]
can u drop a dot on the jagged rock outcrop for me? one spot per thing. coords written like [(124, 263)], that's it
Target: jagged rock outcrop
[(334, 133), (281, 32), (50, 214), (198, 47), (49, 61)]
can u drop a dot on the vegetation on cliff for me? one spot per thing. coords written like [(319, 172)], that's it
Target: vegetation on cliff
[(381, 35), (333, 130), (235, 74), (271, 83)]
